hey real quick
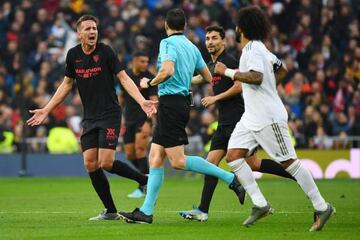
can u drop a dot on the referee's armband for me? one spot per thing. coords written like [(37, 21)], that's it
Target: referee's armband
[(277, 65)]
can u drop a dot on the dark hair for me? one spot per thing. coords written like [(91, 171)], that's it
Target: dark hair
[(84, 18), (216, 28), (140, 54), (175, 19), (253, 23)]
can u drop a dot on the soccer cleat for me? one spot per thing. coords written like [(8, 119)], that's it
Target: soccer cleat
[(321, 217), (258, 213), (104, 215), (194, 214), (137, 193), (136, 216), (239, 190)]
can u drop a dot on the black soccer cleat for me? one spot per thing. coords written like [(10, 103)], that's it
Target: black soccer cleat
[(239, 190), (136, 216)]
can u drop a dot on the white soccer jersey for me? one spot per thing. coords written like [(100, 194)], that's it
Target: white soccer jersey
[(263, 105)]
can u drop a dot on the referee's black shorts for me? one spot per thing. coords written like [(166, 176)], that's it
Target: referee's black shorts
[(171, 120), (221, 137)]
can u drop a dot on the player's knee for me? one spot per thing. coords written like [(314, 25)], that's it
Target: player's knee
[(130, 156), (106, 164), (177, 163), (214, 161), (140, 152), (254, 163), (91, 166), (234, 154), (288, 163), (292, 167)]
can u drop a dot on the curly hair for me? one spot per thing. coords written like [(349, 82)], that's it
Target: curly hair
[(253, 23)]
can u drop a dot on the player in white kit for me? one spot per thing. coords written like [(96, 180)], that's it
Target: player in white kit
[(264, 121)]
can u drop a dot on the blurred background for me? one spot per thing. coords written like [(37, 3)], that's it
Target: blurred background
[(318, 40)]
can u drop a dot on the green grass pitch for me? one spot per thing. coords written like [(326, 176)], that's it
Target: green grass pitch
[(58, 208)]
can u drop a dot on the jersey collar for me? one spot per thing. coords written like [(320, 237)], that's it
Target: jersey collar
[(178, 33)]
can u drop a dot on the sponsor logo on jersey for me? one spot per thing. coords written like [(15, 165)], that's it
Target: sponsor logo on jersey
[(215, 80), (88, 72)]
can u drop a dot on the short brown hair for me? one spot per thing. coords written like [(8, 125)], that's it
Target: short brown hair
[(84, 18), (216, 28)]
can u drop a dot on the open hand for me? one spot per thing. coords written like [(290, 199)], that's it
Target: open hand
[(38, 118), (149, 107), (207, 101)]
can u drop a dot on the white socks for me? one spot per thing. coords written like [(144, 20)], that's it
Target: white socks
[(244, 174), (307, 184)]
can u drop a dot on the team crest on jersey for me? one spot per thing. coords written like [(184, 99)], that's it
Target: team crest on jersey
[(96, 58)]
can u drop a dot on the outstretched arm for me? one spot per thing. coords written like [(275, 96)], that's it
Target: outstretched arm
[(41, 114), (165, 72)]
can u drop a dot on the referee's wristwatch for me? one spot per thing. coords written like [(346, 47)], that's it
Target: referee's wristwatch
[(148, 83)]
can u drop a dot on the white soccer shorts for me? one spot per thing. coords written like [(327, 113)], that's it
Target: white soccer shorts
[(274, 139)]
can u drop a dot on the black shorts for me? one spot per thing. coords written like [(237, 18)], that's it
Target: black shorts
[(221, 137), (171, 120), (100, 133), (132, 128)]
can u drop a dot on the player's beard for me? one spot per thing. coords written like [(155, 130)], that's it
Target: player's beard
[(214, 51)]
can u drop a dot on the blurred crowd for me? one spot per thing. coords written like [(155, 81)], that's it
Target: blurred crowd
[(318, 40)]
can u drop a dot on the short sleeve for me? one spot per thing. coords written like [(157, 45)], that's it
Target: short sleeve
[(200, 63), (113, 62), (167, 52), (254, 61), (275, 62), (69, 66)]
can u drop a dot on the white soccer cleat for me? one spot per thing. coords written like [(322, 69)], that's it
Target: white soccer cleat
[(194, 214)]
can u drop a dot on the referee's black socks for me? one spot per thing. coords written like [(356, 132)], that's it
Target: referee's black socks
[(102, 188), (125, 170), (272, 167)]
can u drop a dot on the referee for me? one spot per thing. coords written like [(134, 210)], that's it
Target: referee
[(93, 66), (178, 59)]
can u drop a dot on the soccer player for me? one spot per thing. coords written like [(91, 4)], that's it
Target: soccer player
[(231, 107), (137, 125), (93, 66), (177, 61), (264, 121)]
